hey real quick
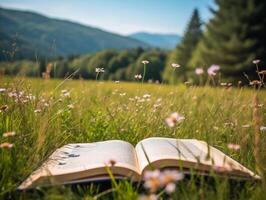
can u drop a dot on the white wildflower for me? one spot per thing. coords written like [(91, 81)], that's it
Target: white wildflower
[(145, 62), (99, 70), (175, 65)]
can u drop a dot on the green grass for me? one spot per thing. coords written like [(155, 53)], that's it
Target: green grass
[(103, 111)]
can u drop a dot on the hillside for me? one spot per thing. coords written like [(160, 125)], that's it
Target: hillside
[(164, 41), (36, 34)]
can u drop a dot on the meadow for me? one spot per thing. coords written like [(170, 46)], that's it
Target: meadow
[(42, 115)]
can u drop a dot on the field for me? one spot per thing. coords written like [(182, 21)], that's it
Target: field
[(46, 114)]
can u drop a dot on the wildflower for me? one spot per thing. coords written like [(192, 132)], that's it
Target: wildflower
[(157, 105), (3, 108), (37, 111), (70, 106), (173, 119), (199, 71), (255, 82), (152, 180), (169, 176), (159, 100), (257, 61), (99, 70), (146, 96), (175, 65), (67, 94), (2, 90), (138, 76), (6, 145), (145, 62), (170, 188), (234, 147), (9, 134), (212, 70), (151, 174), (122, 94), (223, 84), (229, 124), (245, 126), (263, 128), (31, 97)]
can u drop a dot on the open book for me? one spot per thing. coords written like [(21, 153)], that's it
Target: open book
[(74, 163)]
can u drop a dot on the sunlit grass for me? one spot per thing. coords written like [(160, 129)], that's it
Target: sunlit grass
[(48, 115)]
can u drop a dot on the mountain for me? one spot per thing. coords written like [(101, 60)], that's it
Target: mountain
[(32, 35), (164, 41)]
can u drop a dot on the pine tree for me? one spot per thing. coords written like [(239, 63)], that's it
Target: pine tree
[(233, 38), (182, 53)]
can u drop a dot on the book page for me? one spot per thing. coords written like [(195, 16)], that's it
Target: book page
[(155, 149), (221, 159), (74, 161), (167, 152)]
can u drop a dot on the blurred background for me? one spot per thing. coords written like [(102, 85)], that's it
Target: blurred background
[(60, 37)]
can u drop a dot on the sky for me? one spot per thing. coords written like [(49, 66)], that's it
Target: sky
[(120, 16)]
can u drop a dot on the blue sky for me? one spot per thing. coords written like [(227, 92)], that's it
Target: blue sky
[(120, 16)]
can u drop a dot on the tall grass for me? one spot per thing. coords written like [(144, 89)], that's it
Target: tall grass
[(45, 115)]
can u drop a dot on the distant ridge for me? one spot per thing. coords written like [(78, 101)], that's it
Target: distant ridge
[(164, 41), (35, 34)]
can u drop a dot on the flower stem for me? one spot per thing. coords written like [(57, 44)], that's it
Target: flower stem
[(144, 72)]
